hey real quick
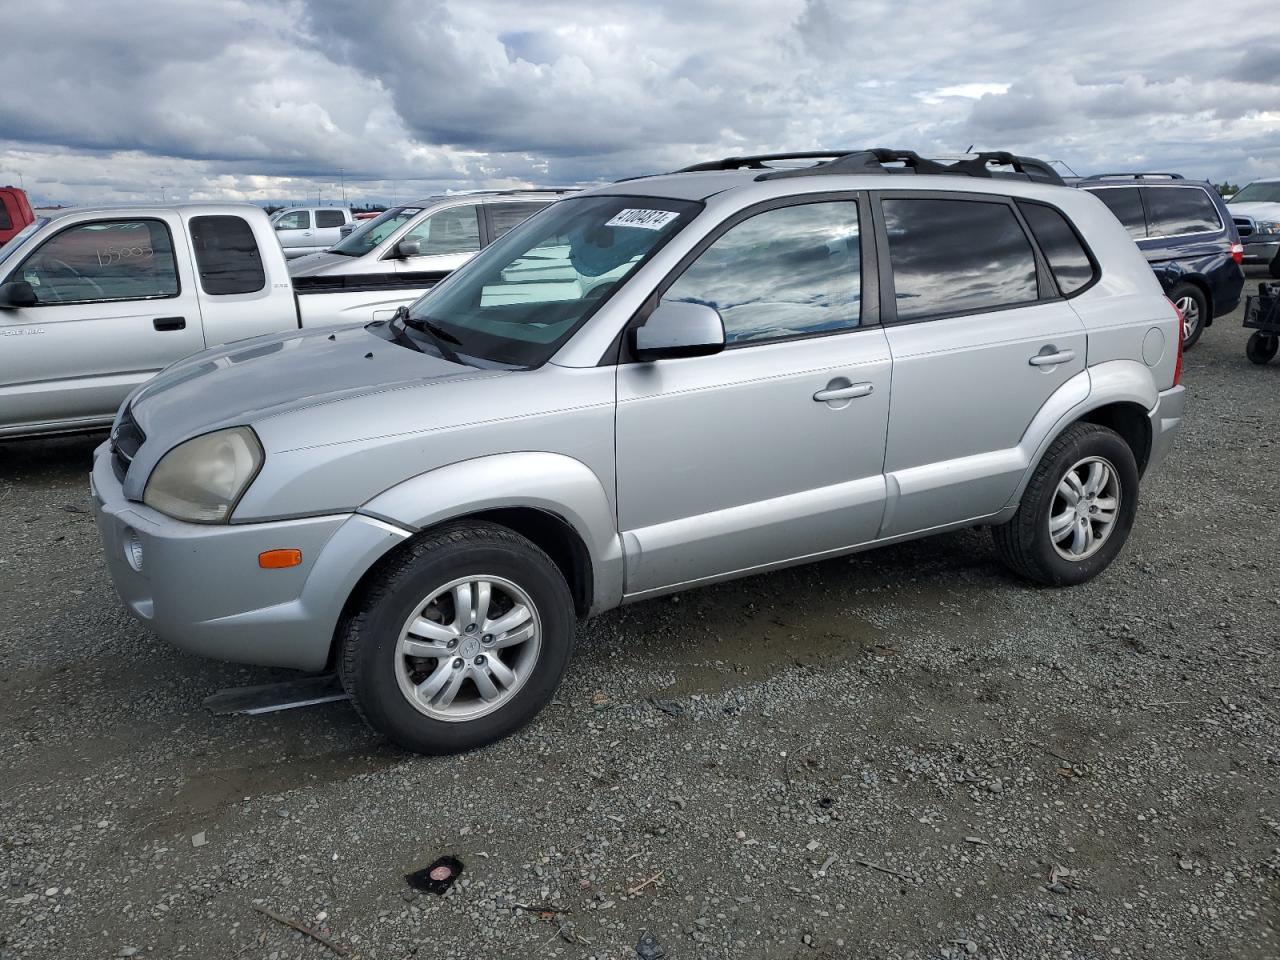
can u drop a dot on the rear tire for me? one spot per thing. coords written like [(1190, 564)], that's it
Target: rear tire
[(1041, 542), (459, 640), (1191, 300), (1262, 347)]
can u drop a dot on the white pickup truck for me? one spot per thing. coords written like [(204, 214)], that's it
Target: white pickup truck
[(94, 301)]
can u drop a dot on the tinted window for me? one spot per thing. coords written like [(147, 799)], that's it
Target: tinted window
[(504, 216), (1174, 211), (783, 273), (5, 222), (329, 218), (227, 255), (454, 230), (104, 260), (295, 220), (1060, 246), (1126, 204), (950, 256)]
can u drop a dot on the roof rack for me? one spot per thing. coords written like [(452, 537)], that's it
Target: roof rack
[(874, 161), (1135, 176)]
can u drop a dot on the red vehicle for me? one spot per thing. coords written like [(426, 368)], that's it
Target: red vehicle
[(15, 212)]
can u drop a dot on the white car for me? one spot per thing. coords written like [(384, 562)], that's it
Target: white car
[(1256, 211), (304, 230)]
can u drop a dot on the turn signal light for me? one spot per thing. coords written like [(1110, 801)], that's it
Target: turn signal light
[(279, 559), (1237, 252)]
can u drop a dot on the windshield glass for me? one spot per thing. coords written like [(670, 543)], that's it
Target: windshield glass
[(1259, 193), (525, 295), (16, 240), (373, 232)]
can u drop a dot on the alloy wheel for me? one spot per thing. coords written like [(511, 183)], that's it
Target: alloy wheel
[(1190, 316), (1085, 506), (467, 648)]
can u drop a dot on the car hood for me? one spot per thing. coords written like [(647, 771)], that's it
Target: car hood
[(320, 265), (1258, 211), (248, 381)]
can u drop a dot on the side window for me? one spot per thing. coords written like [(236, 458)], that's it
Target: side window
[(504, 216), (790, 272), (227, 255), (295, 220), (1067, 258), (1126, 204), (1175, 211), (104, 260), (5, 222), (329, 218), (953, 256), (455, 230)]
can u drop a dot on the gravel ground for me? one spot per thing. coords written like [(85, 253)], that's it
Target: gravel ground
[(902, 754)]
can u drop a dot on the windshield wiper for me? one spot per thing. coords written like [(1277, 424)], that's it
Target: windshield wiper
[(439, 336)]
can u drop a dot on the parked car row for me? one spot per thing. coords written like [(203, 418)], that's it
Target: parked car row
[(160, 283), (649, 386)]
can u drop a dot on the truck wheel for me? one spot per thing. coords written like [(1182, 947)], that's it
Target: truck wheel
[(1076, 512), (1195, 312), (459, 640), (1261, 347)]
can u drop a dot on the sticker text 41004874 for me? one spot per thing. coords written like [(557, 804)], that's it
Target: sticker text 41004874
[(645, 219)]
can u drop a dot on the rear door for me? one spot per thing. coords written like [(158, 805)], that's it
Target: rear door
[(501, 215), (980, 340), (328, 227), (116, 303)]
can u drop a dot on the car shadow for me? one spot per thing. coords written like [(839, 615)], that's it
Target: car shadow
[(47, 458)]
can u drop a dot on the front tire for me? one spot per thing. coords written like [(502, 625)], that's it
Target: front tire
[(1076, 511), (459, 640), (1262, 347), (1191, 300)]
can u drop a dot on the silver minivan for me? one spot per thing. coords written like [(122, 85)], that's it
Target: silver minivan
[(644, 388)]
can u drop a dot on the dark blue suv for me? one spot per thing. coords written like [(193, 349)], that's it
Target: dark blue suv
[(1187, 235)]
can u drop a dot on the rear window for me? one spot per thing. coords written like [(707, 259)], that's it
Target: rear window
[(1068, 261), (227, 255), (957, 256), (1175, 211), (329, 218), (1126, 204)]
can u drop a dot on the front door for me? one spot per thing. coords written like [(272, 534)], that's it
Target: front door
[(296, 232), (114, 307), (446, 240), (772, 450)]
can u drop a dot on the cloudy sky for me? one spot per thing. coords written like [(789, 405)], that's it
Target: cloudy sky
[(273, 99)]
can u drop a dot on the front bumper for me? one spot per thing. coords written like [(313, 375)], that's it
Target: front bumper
[(200, 588), (1260, 251), (1166, 420)]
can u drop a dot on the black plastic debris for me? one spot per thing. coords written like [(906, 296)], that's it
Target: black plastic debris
[(648, 948), (670, 707), (826, 803), (436, 878)]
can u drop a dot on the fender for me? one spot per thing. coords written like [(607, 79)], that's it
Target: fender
[(1115, 381), (553, 482)]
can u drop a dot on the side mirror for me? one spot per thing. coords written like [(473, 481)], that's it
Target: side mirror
[(409, 248), (278, 225), (16, 294), (679, 329)]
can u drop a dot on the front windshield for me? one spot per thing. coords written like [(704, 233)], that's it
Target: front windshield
[(373, 232), (525, 295), (1260, 192), (6, 250)]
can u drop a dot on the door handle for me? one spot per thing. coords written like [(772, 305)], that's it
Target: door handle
[(169, 323), (1052, 359), (851, 392)]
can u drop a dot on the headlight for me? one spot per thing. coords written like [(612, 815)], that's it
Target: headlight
[(201, 480), (1266, 226)]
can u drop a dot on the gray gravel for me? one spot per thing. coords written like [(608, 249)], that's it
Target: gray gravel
[(902, 754)]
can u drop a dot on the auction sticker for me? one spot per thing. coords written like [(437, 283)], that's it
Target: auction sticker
[(645, 219)]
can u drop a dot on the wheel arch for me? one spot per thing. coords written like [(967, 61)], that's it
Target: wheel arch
[(1201, 283)]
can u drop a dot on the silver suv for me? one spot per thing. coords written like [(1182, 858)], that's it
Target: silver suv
[(647, 387)]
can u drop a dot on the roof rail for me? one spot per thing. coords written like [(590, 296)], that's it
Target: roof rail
[(873, 161), (1136, 176)]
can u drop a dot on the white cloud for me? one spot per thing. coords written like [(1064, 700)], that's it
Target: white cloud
[(264, 99)]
